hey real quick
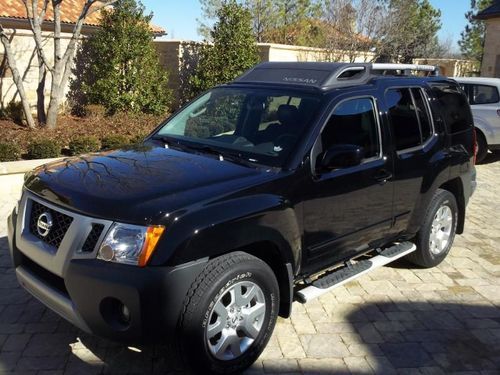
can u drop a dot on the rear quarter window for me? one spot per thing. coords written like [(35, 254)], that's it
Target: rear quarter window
[(454, 106), (484, 94)]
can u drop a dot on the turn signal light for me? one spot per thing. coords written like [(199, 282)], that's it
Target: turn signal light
[(153, 234)]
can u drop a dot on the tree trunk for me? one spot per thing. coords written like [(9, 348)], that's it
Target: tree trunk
[(55, 101), (40, 92), (17, 79)]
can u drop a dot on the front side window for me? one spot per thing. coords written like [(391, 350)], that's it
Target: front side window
[(259, 125), (353, 122)]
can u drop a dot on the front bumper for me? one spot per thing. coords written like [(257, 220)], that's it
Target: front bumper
[(89, 293)]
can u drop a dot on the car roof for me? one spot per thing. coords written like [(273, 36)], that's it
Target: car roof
[(326, 76)]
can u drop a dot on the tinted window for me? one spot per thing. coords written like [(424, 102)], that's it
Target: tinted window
[(403, 118), (422, 113), (353, 122), (454, 106), (483, 94)]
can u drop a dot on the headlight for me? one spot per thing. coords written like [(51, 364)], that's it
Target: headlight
[(130, 244)]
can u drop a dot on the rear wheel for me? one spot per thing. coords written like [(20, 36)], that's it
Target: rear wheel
[(229, 314), (482, 147), (436, 235)]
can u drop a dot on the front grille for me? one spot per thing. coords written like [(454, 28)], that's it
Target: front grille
[(92, 238), (60, 224)]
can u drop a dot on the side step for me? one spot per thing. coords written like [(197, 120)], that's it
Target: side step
[(350, 272)]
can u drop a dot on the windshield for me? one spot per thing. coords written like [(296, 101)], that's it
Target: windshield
[(259, 125)]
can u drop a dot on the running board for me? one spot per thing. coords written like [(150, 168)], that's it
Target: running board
[(348, 273)]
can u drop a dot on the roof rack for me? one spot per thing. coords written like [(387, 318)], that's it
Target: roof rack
[(406, 68), (325, 75)]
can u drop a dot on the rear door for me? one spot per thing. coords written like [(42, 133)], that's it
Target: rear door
[(415, 143), (347, 210)]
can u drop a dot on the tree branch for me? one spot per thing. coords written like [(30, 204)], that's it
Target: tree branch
[(36, 27), (16, 77), (86, 11)]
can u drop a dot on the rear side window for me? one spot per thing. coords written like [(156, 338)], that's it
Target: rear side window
[(454, 106), (409, 117), (353, 122)]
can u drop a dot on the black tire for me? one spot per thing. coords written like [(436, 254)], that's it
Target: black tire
[(482, 147), (423, 256), (219, 276)]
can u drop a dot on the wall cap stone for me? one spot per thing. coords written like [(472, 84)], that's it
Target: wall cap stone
[(22, 166)]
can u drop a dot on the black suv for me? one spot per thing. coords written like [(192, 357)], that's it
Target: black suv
[(291, 180)]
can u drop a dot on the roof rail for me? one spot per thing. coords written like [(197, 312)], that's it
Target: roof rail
[(407, 68)]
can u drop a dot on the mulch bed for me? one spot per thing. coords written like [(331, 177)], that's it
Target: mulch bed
[(70, 127)]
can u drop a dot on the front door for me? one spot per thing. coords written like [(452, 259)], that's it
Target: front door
[(349, 209)]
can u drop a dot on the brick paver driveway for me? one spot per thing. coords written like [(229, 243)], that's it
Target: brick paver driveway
[(394, 320)]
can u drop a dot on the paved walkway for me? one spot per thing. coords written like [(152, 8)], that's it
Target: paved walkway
[(394, 320)]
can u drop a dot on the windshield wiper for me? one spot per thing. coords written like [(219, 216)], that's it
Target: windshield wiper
[(168, 141), (227, 155), (222, 155)]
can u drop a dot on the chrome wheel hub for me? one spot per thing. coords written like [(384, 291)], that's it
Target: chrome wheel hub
[(236, 320), (441, 230)]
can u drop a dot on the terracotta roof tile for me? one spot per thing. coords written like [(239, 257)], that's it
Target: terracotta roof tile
[(491, 12), (70, 11)]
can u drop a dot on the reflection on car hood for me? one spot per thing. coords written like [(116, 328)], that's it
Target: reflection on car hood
[(137, 182)]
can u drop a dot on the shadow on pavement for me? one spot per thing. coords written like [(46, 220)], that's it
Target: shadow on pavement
[(492, 157), (444, 336)]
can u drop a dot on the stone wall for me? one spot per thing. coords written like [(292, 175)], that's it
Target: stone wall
[(491, 58)]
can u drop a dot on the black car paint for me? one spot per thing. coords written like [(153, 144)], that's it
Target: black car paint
[(211, 207)]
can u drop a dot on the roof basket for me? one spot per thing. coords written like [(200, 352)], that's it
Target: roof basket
[(324, 75)]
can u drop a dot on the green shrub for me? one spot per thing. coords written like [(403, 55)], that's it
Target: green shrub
[(43, 149), (9, 152), (114, 141), (84, 145)]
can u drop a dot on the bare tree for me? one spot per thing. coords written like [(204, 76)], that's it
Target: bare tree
[(352, 28), (60, 68)]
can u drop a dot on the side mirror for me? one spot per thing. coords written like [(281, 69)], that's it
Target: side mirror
[(341, 156)]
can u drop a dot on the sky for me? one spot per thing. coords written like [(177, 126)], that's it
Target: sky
[(179, 17)]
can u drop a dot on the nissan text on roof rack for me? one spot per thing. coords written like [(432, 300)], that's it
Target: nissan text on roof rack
[(278, 187)]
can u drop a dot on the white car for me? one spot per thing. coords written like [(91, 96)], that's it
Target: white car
[(484, 98)]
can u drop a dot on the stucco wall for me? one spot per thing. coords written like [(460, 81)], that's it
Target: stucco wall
[(491, 58), (452, 67), (23, 46)]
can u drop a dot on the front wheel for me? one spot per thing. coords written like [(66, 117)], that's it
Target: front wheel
[(229, 314), (436, 235)]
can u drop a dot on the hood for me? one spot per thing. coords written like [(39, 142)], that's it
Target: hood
[(138, 183)]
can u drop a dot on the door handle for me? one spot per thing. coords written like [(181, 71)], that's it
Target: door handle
[(383, 176)]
